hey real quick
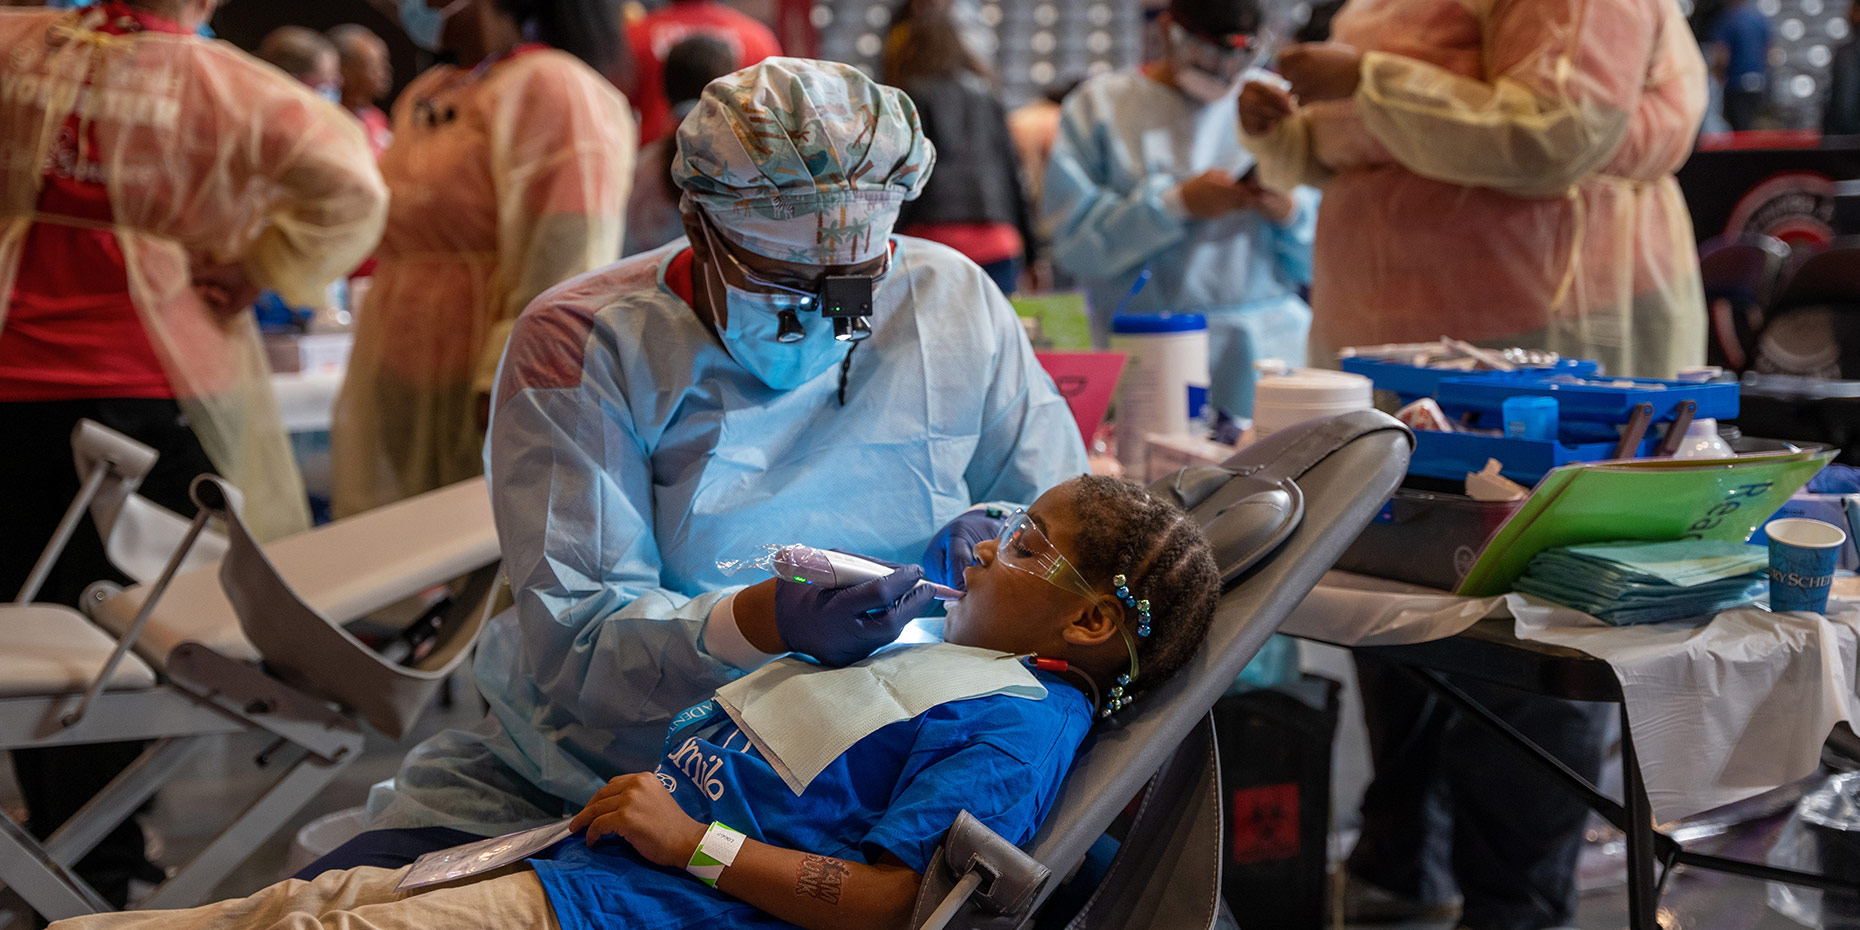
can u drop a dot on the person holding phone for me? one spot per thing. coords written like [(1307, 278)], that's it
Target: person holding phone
[(1148, 173)]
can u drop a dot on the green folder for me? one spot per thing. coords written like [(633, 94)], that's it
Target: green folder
[(1651, 499), (1063, 317)]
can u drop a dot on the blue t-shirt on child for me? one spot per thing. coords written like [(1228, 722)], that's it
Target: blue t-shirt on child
[(898, 790)]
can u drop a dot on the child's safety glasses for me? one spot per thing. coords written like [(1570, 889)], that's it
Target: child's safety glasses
[(1022, 546)]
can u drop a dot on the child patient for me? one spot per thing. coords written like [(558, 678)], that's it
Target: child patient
[(1103, 588)]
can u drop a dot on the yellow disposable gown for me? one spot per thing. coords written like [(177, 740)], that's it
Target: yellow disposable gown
[(505, 182), (1504, 174), (209, 156)]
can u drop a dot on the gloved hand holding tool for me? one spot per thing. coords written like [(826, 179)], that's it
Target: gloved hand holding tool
[(840, 626)]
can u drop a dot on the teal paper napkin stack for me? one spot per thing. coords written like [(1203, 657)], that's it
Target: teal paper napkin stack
[(1625, 583)]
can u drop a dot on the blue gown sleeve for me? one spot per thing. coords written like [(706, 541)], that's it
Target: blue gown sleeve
[(1291, 243), (1000, 758), (602, 645), (1098, 231)]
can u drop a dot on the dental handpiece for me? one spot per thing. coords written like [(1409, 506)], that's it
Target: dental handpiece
[(830, 569)]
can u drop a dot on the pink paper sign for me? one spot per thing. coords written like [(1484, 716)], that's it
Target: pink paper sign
[(1087, 380)]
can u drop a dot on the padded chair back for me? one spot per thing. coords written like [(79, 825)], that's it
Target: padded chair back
[(1740, 277), (138, 534), (1813, 327), (1745, 268), (1167, 870), (1828, 276), (306, 650)]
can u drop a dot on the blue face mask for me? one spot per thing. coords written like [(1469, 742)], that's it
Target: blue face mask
[(750, 330), (424, 24)]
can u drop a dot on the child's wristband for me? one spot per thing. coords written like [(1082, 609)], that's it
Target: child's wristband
[(714, 854)]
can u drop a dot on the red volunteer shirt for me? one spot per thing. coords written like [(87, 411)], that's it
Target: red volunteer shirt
[(71, 331)]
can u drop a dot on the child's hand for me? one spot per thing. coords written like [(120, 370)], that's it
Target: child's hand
[(638, 809)]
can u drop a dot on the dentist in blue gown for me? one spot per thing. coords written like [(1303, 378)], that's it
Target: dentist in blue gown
[(658, 415)]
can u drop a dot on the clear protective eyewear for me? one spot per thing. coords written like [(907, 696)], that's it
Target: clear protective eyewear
[(1227, 59), (1022, 546)]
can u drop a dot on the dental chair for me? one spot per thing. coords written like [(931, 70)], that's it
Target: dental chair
[(1277, 514), (249, 642)]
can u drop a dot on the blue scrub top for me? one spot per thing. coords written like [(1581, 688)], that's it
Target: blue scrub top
[(898, 790)]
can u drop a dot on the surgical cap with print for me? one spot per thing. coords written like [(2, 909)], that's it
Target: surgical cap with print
[(803, 161)]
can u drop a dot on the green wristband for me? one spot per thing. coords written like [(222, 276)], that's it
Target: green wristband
[(715, 853)]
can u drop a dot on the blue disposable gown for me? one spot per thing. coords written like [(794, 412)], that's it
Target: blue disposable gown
[(1125, 141), (629, 452)]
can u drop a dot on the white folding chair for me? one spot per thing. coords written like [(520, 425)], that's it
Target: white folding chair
[(138, 534), (184, 665)]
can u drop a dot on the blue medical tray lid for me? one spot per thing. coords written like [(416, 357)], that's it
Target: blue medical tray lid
[(1152, 323)]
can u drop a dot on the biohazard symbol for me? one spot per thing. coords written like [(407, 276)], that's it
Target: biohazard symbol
[(1265, 823)]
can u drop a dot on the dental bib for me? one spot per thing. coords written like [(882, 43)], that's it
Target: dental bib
[(801, 717)]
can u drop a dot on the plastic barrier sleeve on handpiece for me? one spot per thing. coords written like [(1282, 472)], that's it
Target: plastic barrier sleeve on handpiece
[(840, 626)]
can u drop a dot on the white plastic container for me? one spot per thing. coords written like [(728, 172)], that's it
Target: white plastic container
[(1703, 442), (1282, 399), (1165, 380)]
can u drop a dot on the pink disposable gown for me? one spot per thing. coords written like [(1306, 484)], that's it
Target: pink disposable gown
[(1504, 174), (209, 156), (503, 182)]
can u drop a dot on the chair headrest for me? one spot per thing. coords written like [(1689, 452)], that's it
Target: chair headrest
[(1249, 505), (92, 442), (211, 493)]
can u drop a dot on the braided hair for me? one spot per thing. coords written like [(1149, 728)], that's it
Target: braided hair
[(1123, 529)]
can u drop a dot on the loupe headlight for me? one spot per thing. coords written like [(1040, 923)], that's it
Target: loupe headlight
[(846, 299)]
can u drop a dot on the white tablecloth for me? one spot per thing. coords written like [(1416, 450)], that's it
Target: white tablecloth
[(1357, 610), (1723, 710), (305, 398), (1719, 711)]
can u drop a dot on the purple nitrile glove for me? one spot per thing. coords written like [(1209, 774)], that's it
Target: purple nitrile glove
[(952, 549), (840, 626)]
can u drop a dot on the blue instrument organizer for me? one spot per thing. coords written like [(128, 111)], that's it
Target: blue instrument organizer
[(1593, 399), (1412, 382), (1587, 412), (1452, 455)]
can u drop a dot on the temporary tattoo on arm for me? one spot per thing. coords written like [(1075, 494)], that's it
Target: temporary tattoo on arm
[(821, 878)]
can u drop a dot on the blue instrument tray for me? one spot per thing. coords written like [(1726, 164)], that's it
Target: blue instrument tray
[(1453, 455), (1412, 382), (1595, 400)]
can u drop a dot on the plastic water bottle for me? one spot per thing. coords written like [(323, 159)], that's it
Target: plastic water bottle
[(1703, 442)]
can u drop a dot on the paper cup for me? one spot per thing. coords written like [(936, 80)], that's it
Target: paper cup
[(1802, 557)]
